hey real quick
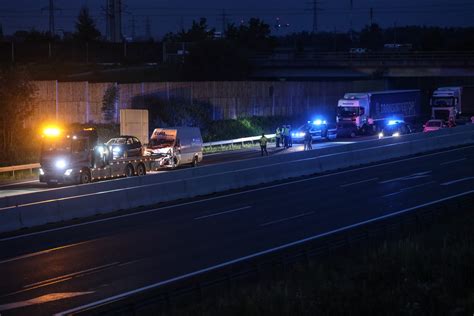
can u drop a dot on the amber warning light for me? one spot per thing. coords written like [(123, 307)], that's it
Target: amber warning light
[(51, 131)]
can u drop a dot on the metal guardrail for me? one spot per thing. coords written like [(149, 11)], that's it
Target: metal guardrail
[(231, 142), (12, 169), (163, 297), (241, 141)]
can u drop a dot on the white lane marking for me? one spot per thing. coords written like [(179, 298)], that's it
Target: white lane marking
[(224, 212), (34, 254), (264, 252), (392, 194), (452, 161), (43, 299), (409, 188), (71, 275), (18, 183), (286, 219), (358, 182), (457, 181), (409, 177), (416, 186), (225, 196), (60, 279)]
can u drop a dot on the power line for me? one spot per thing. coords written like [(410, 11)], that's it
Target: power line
[(51, 9), (114, 20), (147, 28), (267, 14), (315, 10), (350, 20), (224, 21)]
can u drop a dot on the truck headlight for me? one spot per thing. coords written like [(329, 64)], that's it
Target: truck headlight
[(68, 172), (41, 172), (60, 164), (396, 134), (380, 135), (101, 150)]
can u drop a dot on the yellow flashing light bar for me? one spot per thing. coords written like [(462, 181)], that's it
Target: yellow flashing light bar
[(51, 131)]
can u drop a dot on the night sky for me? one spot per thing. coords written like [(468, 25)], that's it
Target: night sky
[(166, 16)]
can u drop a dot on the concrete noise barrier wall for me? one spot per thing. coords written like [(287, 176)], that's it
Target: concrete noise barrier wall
[(142, 191)]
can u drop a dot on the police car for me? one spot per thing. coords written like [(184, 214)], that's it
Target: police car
[(395, 128), (319, 129)]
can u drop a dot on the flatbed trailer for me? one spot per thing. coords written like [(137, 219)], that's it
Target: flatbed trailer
[(84, 173)]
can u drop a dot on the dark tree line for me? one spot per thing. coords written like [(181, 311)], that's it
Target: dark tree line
[(17, 104), (374, 37), (214, 56), (85, 31)]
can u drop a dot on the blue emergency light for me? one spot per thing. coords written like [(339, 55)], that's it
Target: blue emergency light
[(319, 122)]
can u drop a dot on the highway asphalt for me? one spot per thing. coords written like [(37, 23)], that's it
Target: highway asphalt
[(31, 186), (44, 272)]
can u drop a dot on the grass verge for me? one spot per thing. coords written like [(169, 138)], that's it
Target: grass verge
[(430, 273)]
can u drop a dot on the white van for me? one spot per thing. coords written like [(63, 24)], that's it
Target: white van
[(176, 145)]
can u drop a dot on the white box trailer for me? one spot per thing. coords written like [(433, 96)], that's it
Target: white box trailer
[(452, 102), (134, 123), (176, 146)]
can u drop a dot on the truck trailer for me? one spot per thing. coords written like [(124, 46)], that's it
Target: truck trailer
[(365, 112), (452, 103)]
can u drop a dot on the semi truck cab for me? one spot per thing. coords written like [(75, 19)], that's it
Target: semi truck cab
[(352, 110), (352, 114), (64, 156), (445, 103)]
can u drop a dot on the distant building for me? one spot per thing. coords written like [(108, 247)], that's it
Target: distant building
[(398, 47)]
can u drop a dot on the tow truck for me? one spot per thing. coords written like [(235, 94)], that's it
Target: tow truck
[(75, 157)]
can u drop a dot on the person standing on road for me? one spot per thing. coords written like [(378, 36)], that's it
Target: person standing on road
[(263, 144), (308, 141), (451, 122), (285, 136), (290, 139), (278, 136)]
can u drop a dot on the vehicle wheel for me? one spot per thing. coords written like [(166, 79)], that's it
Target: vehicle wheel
[(195, 161), (129, 171), (85, 177), (141, 170), (173, 163)]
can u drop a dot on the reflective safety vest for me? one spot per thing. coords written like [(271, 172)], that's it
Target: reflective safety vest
[(278, 132), (263, 141)]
